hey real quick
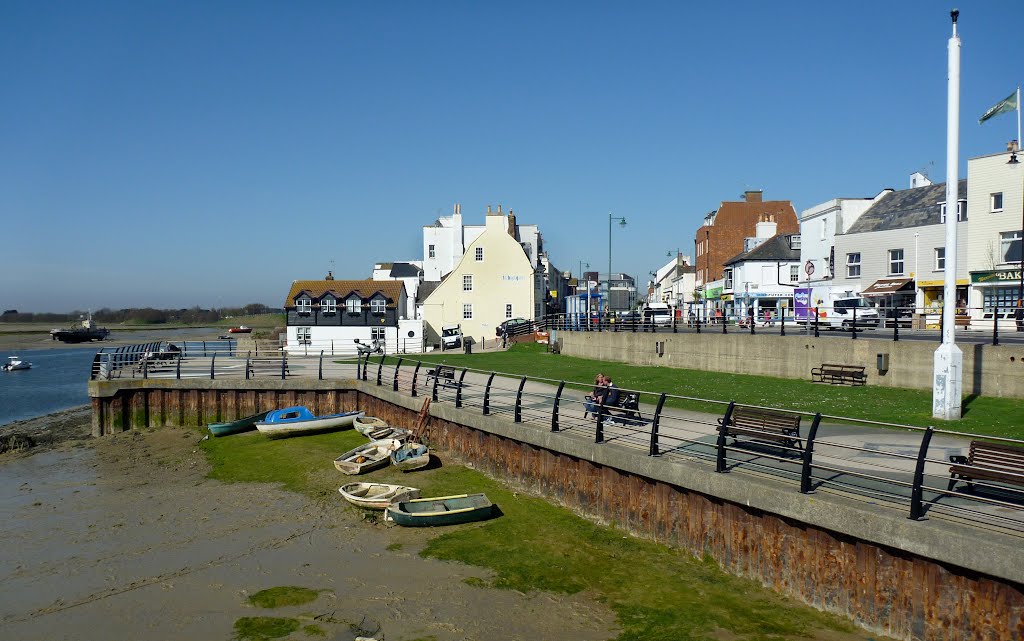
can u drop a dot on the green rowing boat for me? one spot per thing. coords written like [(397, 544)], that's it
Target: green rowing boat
[(441, 510), (234, 427)]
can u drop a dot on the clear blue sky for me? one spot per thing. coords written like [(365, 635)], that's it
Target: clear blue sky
[(181, 153)]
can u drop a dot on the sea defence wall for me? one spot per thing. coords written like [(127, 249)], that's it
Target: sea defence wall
[(902, 578), (989, 370)]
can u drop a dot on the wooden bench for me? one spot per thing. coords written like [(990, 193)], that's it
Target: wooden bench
[(445, 374), (837, 374), (763, 425), (989, 462)]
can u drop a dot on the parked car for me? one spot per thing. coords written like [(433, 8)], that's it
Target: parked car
[(451, 337), (515, 327)]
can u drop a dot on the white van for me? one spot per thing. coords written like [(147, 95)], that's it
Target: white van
[(451, 337), (658, 314)]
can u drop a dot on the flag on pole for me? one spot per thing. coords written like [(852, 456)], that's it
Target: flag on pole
[(1006, 105)]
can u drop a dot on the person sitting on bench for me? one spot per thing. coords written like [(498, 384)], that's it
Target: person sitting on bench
[(594, 398), (611, 398)]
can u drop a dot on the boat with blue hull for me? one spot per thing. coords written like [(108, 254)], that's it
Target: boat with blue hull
[(298, 421)]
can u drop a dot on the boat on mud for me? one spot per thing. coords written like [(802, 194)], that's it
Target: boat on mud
[(298, 421), (377, 496), (85, 332), (237, 427), (440, 510), (366, 457)]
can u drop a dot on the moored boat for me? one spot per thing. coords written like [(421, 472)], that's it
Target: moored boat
[(411, 456), (377, 496), (298, 420), (366, 457), (366, 424), (241, 329), (85, 332), (236, 427), (15, 363), (440, 510)]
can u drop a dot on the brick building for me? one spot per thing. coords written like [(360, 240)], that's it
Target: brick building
[(721, 236)]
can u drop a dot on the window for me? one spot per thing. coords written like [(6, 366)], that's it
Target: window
[(508, 310), (1004, 297), (728, 278), (997, 202), (794, 273), (328, 306), (794, 241), (853, 265), (479, 254), (467, 283), (303, 335), (377, 333), (1010, 246), (354, 305), (961, 211), (940, 259), (377, 305), (304, 305), (467, 312), (895, 262), (431, 252)]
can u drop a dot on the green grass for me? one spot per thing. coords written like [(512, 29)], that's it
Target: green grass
[(655, 591), (981, 414), (283, 596), (264, 628)]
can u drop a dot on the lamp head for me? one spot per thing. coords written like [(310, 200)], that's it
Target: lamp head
[(622, 222)]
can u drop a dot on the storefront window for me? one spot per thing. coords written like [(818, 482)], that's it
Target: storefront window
[(1004, 297)]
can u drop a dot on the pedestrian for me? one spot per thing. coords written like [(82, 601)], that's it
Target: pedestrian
[(504, 337)]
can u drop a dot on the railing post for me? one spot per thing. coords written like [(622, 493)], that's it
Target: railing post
[(896, 325), (853, 328), (415, 377), (394, 382), (145, 368), (458, 392), (487, 395), (655, 424), (725, 323), (554, 410), (722, 431), (599, 430), (366, 366), (995, 324), (284, 365), (674, 322), (697, 318), (320, 374), (805, 470), (359, 367), (753, 322), (213, 362), (437, 378), (248, 365), (519, 402), (816, 334), (380, 370), (782, 323), (916, 492)]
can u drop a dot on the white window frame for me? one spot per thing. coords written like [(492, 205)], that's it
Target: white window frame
[(853, 264), (303, 334), (431, 251), (353, 305), (1006, 240), (304, 305), (508, 311), (378, 305), (893, 261), (467, 311), (328, 306), (961, 211), (794, 273), (467, 282), (995, 209), (378, 334), (940, 259), (479, 254)]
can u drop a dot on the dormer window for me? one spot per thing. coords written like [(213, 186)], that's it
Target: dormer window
[(328, 305), (304, 305), (354, 305), (377, 305), (961, 211)]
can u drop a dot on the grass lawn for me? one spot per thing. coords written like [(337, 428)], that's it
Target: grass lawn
[(981, 414), (656, 592)]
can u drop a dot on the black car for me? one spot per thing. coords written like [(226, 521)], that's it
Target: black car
[(515, 327)]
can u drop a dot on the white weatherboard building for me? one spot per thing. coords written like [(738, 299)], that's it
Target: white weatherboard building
[(819, 226), (494, 280)]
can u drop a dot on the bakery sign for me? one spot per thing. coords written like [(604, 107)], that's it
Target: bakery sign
[(1001, 276)]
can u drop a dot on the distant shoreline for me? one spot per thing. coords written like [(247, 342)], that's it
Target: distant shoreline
[(25, 336)]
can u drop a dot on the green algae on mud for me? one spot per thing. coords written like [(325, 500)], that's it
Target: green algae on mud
[(264, 628), (283, 596), (656, 592)]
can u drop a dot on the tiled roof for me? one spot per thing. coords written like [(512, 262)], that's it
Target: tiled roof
[(915, 207), (775, 248), (392, 289)]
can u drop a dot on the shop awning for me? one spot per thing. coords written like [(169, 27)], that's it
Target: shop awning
[(886, 286)]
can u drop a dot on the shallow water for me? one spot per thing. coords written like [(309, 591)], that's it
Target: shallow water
[(58, 380)]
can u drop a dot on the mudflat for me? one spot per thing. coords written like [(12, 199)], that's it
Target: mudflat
[(126, 537)]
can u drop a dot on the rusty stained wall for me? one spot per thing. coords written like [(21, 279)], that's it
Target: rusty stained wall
[(881, 589)]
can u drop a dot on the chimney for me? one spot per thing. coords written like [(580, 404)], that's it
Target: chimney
[(1012, 146), (511, 224), (488, 209), (329, 276), (752, 195)]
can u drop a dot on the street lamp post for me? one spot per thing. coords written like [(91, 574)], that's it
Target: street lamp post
[(1020, 287), (622, 223)]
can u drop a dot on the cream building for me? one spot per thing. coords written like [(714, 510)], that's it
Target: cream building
[(493, 281)]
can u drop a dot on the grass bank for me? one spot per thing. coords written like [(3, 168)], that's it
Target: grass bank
[(657, 593), (981, 414)]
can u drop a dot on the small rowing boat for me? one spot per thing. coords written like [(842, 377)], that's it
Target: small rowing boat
[(441, 510), (236, 427), (366, 424), (411, 456), (398, 433), (366, 457), (298, 420), (376, 496)]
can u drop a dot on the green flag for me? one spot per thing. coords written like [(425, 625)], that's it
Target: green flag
[(1003, 106)]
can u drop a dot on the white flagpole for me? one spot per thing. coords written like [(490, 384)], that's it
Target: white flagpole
[(1018, 118)]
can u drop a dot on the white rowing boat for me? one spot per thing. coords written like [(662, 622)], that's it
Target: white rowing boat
[(377, 496)]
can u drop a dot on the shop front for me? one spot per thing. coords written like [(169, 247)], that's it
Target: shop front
[(895, 299), (997, 295)]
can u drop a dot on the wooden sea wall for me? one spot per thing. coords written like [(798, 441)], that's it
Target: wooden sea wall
[(885, 589)]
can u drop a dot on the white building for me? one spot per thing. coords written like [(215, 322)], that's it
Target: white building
[(763, 277), (410, 273), (819, 226), (995, 195), (445, 242), (674, 283)]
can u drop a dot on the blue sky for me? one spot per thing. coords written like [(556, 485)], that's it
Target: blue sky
[(179, 154)]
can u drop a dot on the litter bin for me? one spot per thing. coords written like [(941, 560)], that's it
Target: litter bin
[(467, 345)]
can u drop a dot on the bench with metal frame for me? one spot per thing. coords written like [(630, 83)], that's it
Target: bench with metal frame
[(986, 461), (445, 374), (627, 406), (837, 374), (762, 425)]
